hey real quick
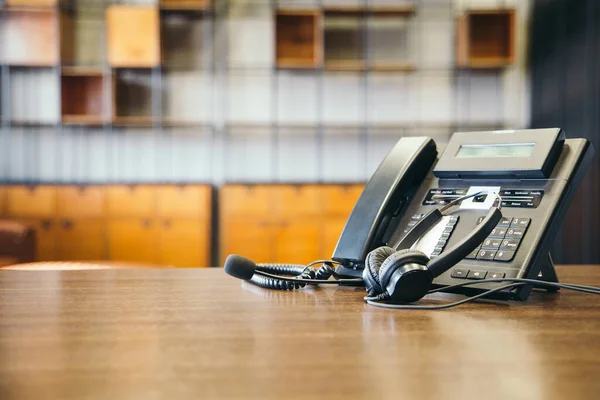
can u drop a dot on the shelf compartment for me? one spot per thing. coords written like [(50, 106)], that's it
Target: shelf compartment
[(486, 39), (133, 97), (182, 41), (185, 5), (133, 36), (344, 35), (298, 39), (30, 38), (84, 100)]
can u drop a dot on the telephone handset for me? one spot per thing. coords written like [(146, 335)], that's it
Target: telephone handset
[(384, 198)]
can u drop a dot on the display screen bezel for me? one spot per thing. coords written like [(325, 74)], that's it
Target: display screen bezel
[(463, 150)]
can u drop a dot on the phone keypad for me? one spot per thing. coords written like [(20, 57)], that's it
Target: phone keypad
[(504, 240)]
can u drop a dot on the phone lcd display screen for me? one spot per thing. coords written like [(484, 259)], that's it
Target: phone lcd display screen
[(495, 150)]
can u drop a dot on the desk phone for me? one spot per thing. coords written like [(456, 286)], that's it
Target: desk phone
[(535, 172)]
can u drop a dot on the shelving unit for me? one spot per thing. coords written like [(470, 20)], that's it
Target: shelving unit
[(486, 39), (275, 77), (298, 38)]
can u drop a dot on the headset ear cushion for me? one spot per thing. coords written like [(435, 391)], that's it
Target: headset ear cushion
[(373, 263), (397, 260)]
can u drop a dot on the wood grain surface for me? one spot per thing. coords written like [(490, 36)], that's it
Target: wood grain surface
[(198, 334)]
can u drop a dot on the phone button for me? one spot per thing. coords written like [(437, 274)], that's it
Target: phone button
[(510, 244), (515, 233), (492, 243), (498, 232), (520, 222), (504, 255), (505, 222), (459, 273), (496, 275), (473, 255), (476, 274), (487, 255)]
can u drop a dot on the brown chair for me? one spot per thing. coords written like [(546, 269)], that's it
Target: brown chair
[(73, 265), (17, 243)]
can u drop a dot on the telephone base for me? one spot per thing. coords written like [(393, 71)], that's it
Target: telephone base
[(543, 271), (348, 273)]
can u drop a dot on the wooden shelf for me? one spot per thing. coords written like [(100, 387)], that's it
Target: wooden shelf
[(378, 11), (30, 4), (186, 5), (486, 39), (83, 97), (85, 120), (298, 39), (392, 67), (133, 36), (345, 65), (141, 121)]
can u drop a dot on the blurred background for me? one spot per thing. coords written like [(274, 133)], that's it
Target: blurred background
[(179, 131)]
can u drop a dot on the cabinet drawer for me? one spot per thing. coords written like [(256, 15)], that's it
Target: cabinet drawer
[(339, 200), (82, 240), (193, 201), (31, 201), (132, 239), (184, 242), (331, 231), (249, 237), (130, 201), (297, 241), (81, 201), (297, 200), (246, 200)]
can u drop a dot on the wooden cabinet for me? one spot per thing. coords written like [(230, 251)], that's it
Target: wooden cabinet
[(132, 239), (130, 201), (81, 201), (31, 201), (284, 223), (31, 3), (133, 36), (81, 240), (183, 243), (193, 201)]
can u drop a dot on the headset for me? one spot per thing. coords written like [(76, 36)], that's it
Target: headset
[(393, 278)]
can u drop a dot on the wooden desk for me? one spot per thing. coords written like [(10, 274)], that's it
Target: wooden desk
[(199, 334)]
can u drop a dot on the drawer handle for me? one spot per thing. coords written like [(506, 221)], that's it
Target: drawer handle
[(167, 223), (146, 223), (46, 224), (68, 224)]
